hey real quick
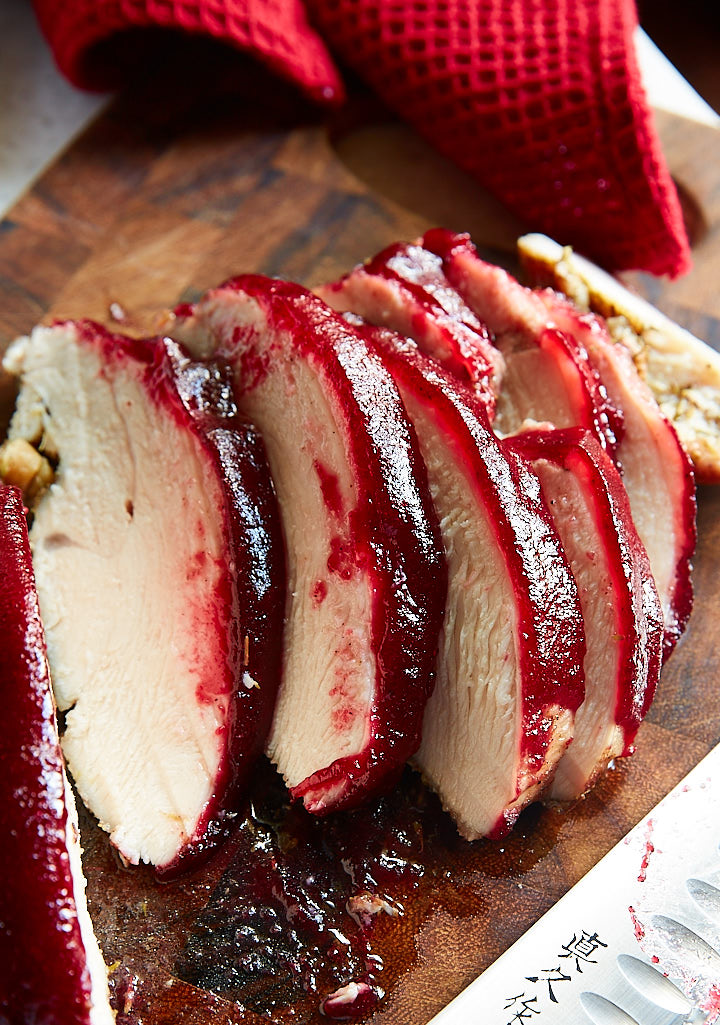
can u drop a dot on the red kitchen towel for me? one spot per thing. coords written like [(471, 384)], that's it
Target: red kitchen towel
[(541, 100), (276, 31)]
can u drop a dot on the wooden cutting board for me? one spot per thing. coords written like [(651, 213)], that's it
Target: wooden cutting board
[(209, 168)]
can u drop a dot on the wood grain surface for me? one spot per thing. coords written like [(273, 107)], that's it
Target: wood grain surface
[(209, 169)]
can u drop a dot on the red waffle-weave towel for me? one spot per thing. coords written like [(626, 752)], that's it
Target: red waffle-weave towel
[(275, 31), (541, 100)]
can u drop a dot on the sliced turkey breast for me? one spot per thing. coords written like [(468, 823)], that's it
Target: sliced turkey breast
[(158, 560), (591, 513), (620, 605), (548, 376), (404, 288), (682, 372), (51, 968), (656, 471), (509, 674), (366, 572)]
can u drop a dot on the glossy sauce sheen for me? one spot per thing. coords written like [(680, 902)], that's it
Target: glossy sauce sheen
[(394, 537), (43, 971), (257, 578), (280, 928)]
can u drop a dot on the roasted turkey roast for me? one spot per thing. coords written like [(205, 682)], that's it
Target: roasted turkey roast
[(424, 514)]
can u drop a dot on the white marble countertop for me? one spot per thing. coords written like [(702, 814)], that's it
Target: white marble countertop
[(40, 113)]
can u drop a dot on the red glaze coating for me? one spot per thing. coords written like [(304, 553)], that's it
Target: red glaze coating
[(423, 306), (330, 488), (466, 272), (548, 613), (246, 634), (43, 967), (677, 491), (392, 534), (638, 614), (257, 575)]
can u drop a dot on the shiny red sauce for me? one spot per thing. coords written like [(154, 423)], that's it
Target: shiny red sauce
[(330, 488), (286, 919)]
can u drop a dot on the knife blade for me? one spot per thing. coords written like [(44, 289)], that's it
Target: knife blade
[(635, 942)]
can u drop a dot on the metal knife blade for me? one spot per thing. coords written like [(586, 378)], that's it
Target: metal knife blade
[(637, 940)]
